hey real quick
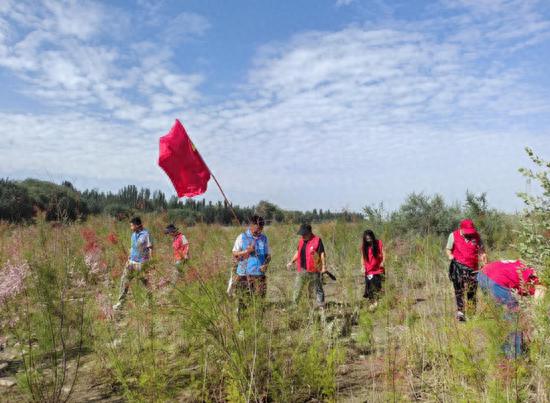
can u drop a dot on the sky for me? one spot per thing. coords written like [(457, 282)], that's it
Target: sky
[(308, 104)]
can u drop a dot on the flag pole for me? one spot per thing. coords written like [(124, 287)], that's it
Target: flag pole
[(225, 197), (217, 184)]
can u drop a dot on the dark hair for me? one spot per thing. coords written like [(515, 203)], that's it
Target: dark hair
[(170, 229), (257, 219), (365, 246), (136, 220)]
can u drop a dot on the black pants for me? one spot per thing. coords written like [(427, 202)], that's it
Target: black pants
[(373, 287), (464, 280)]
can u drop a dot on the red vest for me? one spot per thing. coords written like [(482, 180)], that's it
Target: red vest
[(311, 255), (466, 252), (180, 249), (372, 264)]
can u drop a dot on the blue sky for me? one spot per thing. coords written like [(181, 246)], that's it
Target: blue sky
[(309, 104)]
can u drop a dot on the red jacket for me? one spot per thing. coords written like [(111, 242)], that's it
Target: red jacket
[(513, 275), (312, 245), (373, 265), (466, 252)]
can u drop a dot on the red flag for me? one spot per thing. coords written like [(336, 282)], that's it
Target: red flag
[(183, 164)]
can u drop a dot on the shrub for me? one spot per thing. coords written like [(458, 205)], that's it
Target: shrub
[(119, 211), (15, 203), (60, 203)]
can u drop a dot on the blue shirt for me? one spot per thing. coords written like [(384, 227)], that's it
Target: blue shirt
[(251, 265), (141, 244)]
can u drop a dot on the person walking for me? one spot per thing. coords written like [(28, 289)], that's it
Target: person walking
[(252, 252), (140, 254), (180, 246), (310, 261), (465, 250), (500, 279), (372, 259)]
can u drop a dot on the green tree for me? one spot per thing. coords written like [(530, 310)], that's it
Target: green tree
[(15, 203), (534, 235)]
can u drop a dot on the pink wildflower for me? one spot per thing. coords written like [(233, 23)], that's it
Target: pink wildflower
[(92, 260), (112, 238), (12, 280), (92, 241), (105, 307)]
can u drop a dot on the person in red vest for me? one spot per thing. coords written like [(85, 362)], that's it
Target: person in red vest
[(180, 246), (465, 250), (310, 261), (500, 279), (372, 259)]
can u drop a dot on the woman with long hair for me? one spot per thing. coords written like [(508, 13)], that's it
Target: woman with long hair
[(372, 259)]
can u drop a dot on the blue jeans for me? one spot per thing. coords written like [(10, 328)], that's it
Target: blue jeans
[(513, 345)]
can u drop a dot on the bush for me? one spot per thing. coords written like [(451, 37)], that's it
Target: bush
[(119, 211), (60, 203), (15, 203), (426, 214)]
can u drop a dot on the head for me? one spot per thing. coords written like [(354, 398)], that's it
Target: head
[(467, 228), (136, 224), (171, 230), (529, 279), (256, 225), (305, 231), (369, 241)]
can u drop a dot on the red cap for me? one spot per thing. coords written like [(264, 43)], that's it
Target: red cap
[(467, 226)]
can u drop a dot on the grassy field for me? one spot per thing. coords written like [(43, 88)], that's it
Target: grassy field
[(185, 344)]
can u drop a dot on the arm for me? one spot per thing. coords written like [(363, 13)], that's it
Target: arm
[(449, 247), (323, 262), (240, 254), (482, 253), (148, 246), (263, 268), (292, 261)]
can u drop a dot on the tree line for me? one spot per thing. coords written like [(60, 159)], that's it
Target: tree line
[(21, 201)]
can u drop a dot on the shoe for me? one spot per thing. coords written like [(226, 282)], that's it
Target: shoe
[(117, 306), (460, 316)]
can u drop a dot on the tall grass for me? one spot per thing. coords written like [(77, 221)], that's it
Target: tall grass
[(186, 344)]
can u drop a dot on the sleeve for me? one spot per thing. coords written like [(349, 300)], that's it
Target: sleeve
[(145, 241), (450, 241), (238, 246), (321, 247)]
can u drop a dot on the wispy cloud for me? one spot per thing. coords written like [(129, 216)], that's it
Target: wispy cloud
[(360, 114), (340, 3), (186, 26)]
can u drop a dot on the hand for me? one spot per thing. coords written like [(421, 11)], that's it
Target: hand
[(289, 265), (263, 268), (323, 269), (451, 257)]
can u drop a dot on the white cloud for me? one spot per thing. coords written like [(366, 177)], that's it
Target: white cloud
[(186, 26), (357, 115), (340, 3)]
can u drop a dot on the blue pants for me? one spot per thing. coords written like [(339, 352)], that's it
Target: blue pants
[(513, 345)]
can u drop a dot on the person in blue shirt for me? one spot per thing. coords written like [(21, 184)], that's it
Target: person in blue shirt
[(251, 250), (140, 253)]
